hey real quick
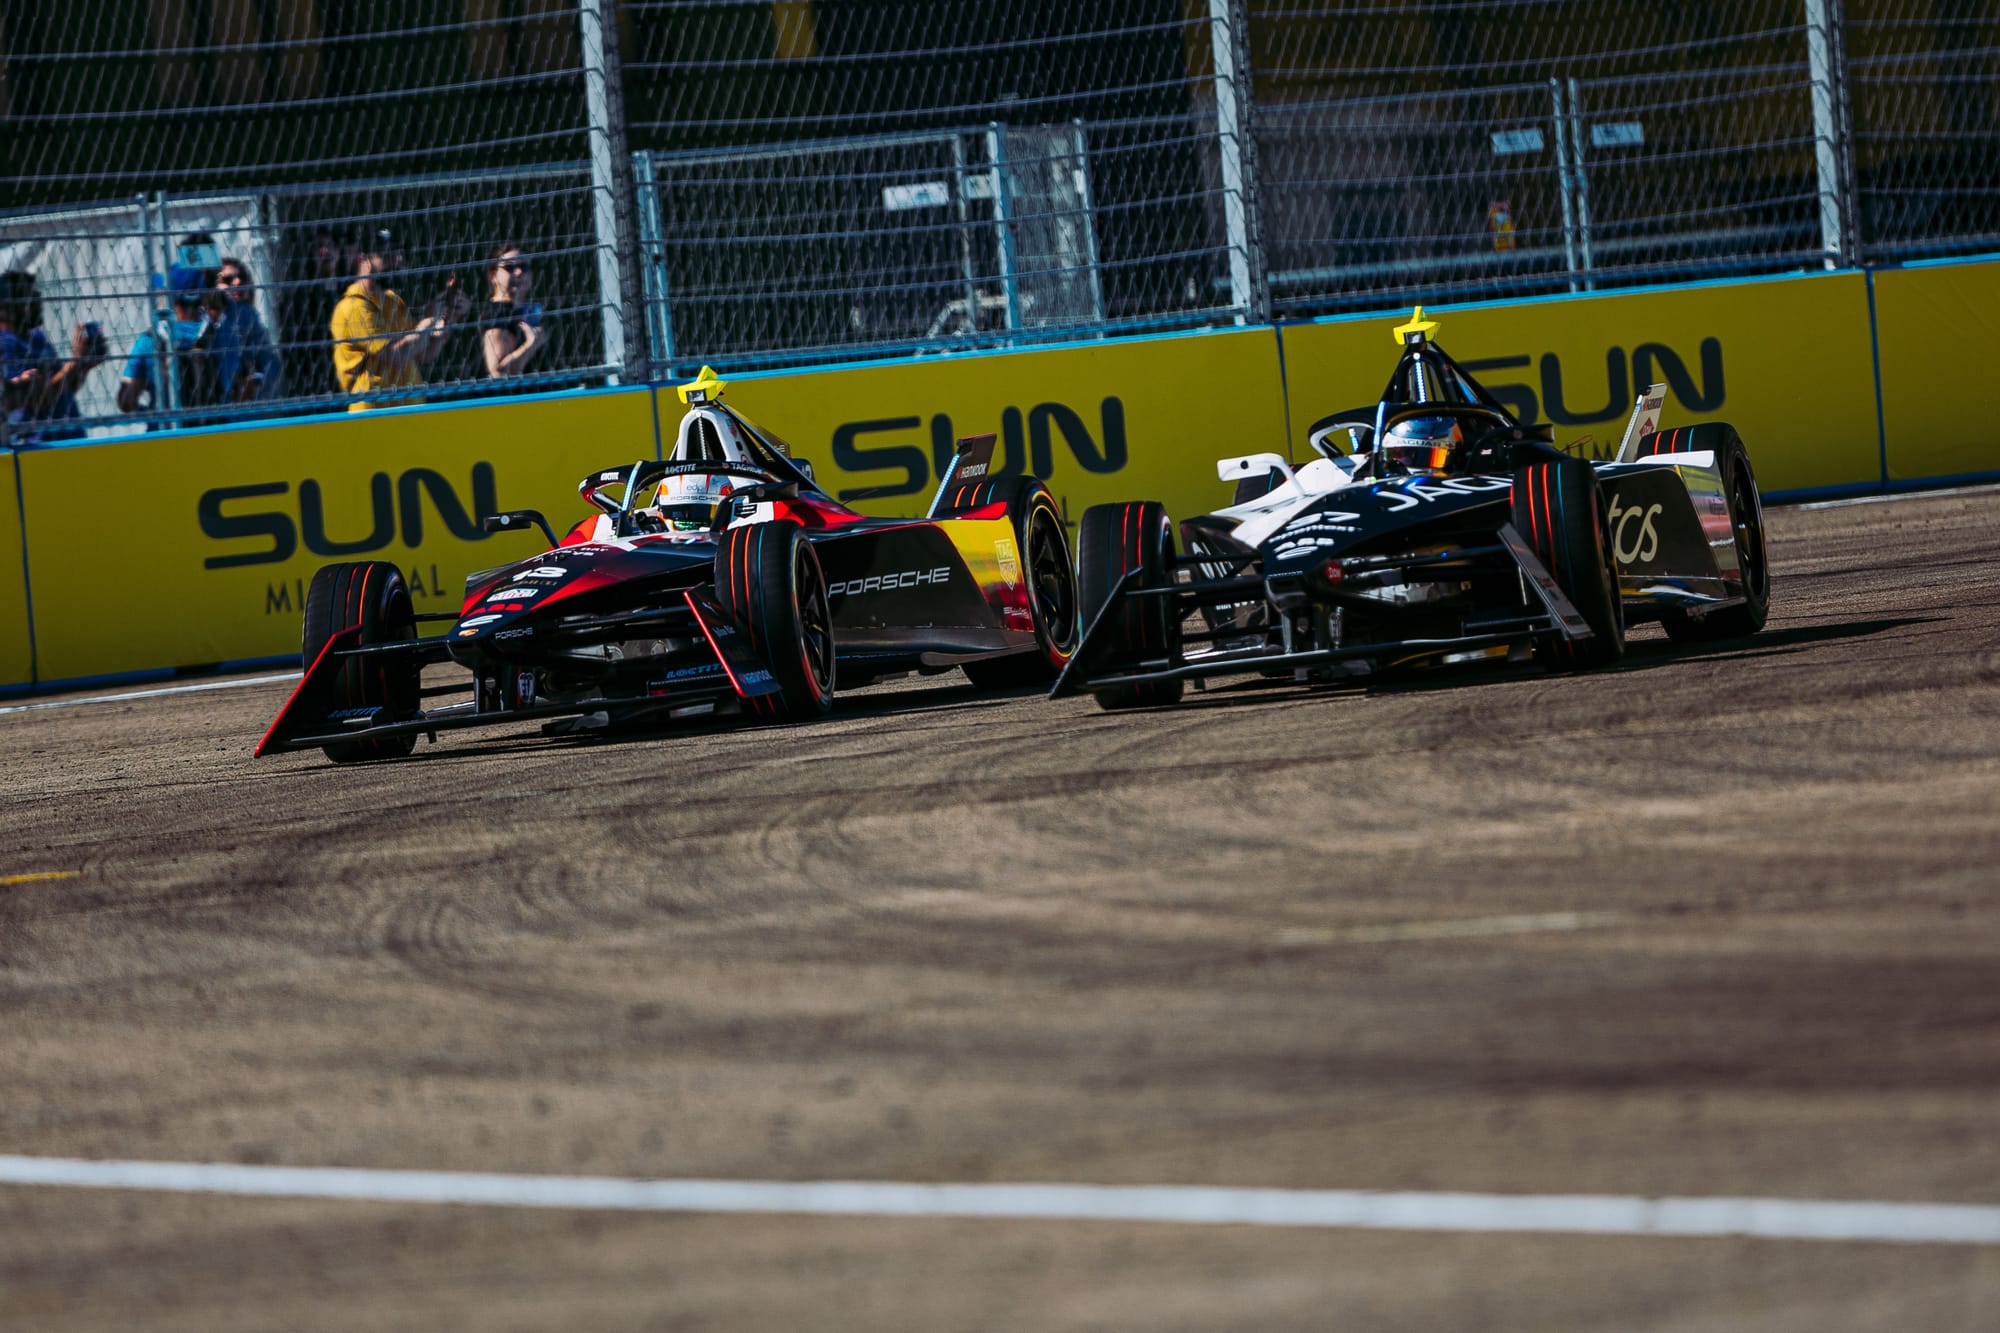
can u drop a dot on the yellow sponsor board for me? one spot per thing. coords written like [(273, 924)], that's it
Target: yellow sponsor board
[(1106, 421), (184, 550), (1939, 332), (17, 666), (1787, 361)]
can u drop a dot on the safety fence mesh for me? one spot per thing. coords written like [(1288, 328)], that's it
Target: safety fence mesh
[(825, 179), (1924, 85), (290, 135), (774, 182)]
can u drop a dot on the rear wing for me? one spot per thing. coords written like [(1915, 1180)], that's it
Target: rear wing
[(1645, 420), (970, 462)]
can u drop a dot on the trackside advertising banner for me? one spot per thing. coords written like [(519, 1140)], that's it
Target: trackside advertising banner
[(1939, 332), (214, 537), (1786, 361), (16, 662), (1111, 421)]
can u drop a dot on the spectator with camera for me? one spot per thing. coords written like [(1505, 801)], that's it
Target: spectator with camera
[(511, 335), (200, 345), (375, 343), (40, 386)]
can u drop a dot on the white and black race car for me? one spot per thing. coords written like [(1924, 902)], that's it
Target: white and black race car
[(1431, 528)]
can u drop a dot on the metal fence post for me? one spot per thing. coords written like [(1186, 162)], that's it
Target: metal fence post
[(1580, 183), (653, 264), (1228, 34), (1003, 219), (168, 390), (611, 197), (1826, 49), (1563, 181), (1089, 211), (961, 190)]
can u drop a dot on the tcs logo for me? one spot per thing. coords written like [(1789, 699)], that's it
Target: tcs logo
[(1634, 539)]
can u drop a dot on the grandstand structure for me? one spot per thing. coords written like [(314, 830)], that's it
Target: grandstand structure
[(763, 183)]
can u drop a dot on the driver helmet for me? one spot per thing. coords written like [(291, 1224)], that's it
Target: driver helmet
[(689, 503), (1419, 446)]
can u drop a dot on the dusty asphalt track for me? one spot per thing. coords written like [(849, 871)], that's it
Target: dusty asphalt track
[(951, 937)]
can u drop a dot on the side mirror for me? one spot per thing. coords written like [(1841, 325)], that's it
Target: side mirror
[(515, 520), (806, 467), (1252, 465)]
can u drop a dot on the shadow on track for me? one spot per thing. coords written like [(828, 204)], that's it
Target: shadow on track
[(878, 703), (1640, 655)]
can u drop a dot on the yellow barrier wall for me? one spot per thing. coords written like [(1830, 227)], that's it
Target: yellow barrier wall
[(1939, 331), (219, 533), (1110, 421), (16, 663), (1787, 361), (193, 549)]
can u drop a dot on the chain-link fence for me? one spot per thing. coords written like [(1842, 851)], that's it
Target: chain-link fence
[(771, 182), (836, 179), (202, 183)]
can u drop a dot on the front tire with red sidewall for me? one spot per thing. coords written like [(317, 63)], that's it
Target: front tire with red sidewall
[(370, 594), (1042, 544), (1746, 516), (1113, 540), (1559, 510), (768, 578)]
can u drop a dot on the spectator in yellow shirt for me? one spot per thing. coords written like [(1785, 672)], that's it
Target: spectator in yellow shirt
[(375, 346)]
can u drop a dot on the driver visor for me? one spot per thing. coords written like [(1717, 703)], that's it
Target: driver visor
[(1414, 456)]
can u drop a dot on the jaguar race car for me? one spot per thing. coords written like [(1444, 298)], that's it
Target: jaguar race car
[(1431, 528), (718, 580)]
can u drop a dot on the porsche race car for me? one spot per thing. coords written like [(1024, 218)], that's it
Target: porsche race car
[(1431, 528), (719, 580)]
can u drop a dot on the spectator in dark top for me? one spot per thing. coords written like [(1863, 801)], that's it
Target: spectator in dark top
[(200, 346), (41, 385), (255, 374), (511, 335)]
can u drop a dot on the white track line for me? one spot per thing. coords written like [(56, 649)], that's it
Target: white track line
[(1604, 1215), (1454, 928), (151, 694)]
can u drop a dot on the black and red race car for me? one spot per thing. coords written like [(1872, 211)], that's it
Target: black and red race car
[(720, 580)]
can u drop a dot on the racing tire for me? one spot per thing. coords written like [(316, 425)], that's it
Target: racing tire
[(1559, 510), (1113, 540), (768, 578), (370, 594), (1042, 541), (1746, 516)]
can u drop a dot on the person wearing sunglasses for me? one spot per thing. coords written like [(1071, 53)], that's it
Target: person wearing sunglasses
[(511, 334), (255, 374)]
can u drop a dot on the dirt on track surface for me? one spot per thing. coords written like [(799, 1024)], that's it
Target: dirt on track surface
[(1721, 921)]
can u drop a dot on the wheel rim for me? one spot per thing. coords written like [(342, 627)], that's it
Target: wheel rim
[(1747, 516), (815, 620), (1050, 582)]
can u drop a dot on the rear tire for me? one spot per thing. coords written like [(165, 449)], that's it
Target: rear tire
[(1050, 576), (768, 577), (1746, 516), (1560, 511), (1113, 540), (370, 594)]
